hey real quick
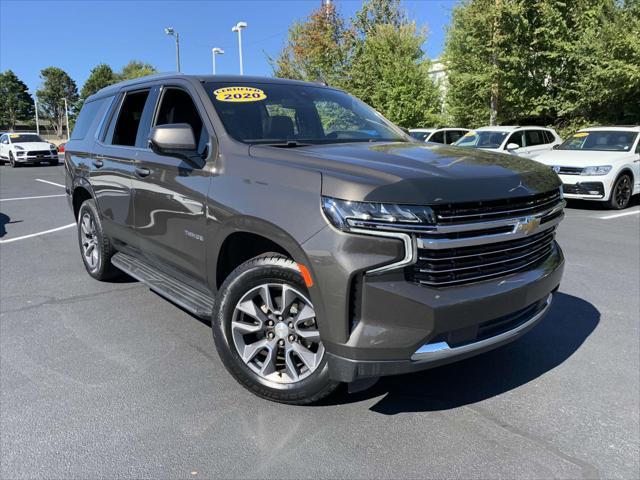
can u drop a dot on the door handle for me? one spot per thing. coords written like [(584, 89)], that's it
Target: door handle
[(143, 172), (98, 163)]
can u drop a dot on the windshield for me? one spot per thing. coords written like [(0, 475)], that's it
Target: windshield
[(482, 139), (24, 137), (271, 113), (603, 140), (419, 135)]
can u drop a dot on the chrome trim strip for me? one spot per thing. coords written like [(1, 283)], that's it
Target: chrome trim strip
[(409, 249), (440, 350), (546, 237), (480, 265), (444, 243)]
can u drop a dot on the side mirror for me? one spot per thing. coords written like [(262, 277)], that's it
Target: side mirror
[(555, 147), (174, 140), (512, 146)]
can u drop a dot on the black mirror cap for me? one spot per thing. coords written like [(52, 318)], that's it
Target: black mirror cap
[(171, 138), (555, 147)]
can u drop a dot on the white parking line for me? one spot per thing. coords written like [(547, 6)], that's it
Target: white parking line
[(31, 198), (50, 183), (609, 217), (24, 237)]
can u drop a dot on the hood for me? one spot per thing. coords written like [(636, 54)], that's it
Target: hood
[(417, 173), (33, 145), (582, 158)]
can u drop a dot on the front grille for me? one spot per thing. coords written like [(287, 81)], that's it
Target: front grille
[(39, 153), (496, 209), (446, 267), (570, 171), (584, 188)]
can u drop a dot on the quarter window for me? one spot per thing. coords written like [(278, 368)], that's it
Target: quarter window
[(126, 126), (86, 117)]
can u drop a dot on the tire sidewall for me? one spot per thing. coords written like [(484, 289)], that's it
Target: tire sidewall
[(273, 269), (89, 207), (612, 201)]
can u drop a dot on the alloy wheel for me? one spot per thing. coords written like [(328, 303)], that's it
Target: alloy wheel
[(89, 238), (623, 192), (275, 333)]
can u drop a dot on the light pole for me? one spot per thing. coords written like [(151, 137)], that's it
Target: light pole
[(172, 33), (35, 105), (238, 28), (66, 115), (215, 51)]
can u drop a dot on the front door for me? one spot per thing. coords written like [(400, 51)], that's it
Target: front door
[(170, 193)]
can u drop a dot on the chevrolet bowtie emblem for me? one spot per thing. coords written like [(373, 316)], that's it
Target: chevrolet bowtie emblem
[(528, 225)]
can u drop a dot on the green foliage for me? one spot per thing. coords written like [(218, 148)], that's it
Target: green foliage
[(15, 102), (57, 85), (101, 76), (136, 69), (566, 63), (377, 56)]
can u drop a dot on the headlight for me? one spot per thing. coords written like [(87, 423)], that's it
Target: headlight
[(18, 147), (345, 215), (600, 170)]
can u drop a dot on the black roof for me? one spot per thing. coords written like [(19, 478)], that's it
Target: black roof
[(202, 78)]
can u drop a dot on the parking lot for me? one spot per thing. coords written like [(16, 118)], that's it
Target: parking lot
[(110, 380)]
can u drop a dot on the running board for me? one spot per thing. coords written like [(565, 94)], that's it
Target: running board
[(192, 300)]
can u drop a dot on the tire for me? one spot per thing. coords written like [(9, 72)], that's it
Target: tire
[(621, 192), (12, 161), (53, 163), (95, 248), (274, 371)]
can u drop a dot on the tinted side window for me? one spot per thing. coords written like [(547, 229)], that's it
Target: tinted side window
[(177, 107), (454, 135), (86, 118), (437, 137), (534, 137), (515, 138), (126, 127)]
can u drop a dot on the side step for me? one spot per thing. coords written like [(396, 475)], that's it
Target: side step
[(192, 300)]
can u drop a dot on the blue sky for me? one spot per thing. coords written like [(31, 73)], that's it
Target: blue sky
[(77, 35)]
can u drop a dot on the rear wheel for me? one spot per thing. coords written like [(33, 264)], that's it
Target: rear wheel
[(621, 192), (266, 332), (95, 247)]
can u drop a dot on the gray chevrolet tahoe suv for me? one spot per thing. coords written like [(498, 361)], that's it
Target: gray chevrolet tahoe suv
[(323, 243)]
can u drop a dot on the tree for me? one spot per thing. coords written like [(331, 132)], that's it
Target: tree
[(391, 74), (57, 85), (101, 76), (16, 104), (136, 69), (316, 50)]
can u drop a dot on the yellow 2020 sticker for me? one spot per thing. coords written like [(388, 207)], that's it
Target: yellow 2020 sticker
[(239, 94), (14, 135), (470, 134), (581, 134)]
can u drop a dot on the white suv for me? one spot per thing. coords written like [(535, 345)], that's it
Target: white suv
[(22, 148), (599, 163), (447, 135), (523, 141)]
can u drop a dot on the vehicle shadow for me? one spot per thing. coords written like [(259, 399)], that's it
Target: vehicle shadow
[(599, 206), (567, 325), (5, 220)]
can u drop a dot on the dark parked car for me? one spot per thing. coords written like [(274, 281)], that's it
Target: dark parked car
[(323, 243)]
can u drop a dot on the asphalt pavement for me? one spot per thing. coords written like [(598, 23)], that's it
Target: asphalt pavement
[(110, 380)]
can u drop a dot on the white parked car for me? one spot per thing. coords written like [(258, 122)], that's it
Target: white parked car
[(599, 163), (23, 148), (523, 141), (447, 135)]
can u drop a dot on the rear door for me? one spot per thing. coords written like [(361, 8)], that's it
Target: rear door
[(537, 142), (170, 193), (113, 165)]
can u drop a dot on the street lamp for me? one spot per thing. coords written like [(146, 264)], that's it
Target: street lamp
[(215, 51), (35, 106), (172, 33), (238, 28)]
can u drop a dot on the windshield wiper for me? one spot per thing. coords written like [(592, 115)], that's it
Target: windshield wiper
[(288, 144)]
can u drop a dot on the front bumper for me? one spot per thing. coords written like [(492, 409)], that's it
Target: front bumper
[(36, 158), (587, 187)]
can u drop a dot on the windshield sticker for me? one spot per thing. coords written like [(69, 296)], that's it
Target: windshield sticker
[(239, 94), (469, 134), (14, 135), (580, 135)]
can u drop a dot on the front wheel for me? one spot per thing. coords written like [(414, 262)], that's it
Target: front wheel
[(12, 161), (266, 332), (621, 193)]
